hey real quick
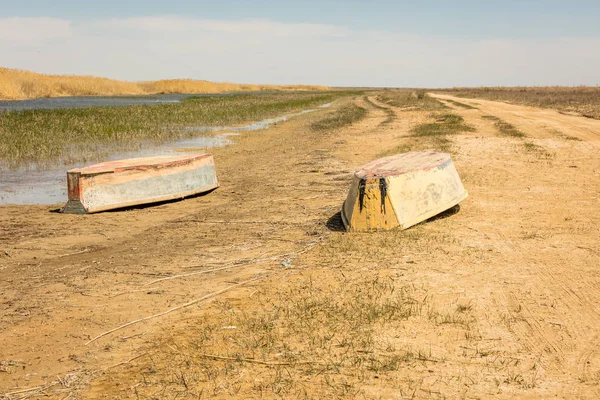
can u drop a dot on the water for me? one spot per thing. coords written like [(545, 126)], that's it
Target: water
[(102, 101), (264, 124), (49, 186), (89, 101)]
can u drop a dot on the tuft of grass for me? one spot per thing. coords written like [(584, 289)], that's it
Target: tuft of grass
[(504, 127), (445, 124), (537, 150), (490, 117), (346, 115), (507, 129)]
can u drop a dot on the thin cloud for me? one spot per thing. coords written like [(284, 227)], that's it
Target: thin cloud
[(179, 25), (18, 31), (264, 51)]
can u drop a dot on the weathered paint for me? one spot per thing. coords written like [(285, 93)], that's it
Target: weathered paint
[(401, 191), (137, 181), (371, 210)]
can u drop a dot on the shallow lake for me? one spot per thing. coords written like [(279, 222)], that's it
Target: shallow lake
[(102, 101)]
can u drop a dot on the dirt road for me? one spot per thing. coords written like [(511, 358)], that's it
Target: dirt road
[(545, 123), (521, 257)]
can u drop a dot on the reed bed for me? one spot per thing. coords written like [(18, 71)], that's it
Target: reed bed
[(20, 84)]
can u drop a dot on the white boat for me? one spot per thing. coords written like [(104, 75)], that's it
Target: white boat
[(136, 181), (401, 190)]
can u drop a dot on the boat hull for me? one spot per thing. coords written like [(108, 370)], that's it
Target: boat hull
[(139, 181), (401, 191)]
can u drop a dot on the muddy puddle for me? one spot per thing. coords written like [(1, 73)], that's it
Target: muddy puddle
[(49, 185)]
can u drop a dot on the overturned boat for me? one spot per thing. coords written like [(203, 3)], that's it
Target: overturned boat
[(136, 181), (401, 190)]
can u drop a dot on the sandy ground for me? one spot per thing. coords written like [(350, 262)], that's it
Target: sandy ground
[(523, 254)]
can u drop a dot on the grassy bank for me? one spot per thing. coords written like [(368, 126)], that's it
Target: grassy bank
[(19, 84), (72, 135), (583, 100)]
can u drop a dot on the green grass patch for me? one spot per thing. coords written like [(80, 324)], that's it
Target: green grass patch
[(445, 124), (50, 137), (432, 135), (344, 116)]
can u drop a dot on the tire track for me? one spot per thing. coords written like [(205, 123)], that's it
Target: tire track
[(536, 121)]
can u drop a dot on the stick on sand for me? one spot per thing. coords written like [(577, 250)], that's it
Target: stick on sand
[(208, 296)]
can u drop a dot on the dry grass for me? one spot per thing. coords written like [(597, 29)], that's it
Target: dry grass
[(434, 135), (538, 151), (504, 127), (410, 100), (344, 116), (507, 129), (19, 84), (445, 124), (461, 105), (334, 329), (314, 339), (584, 100), (391, 115)]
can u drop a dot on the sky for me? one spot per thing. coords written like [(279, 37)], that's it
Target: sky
[(418, 43)]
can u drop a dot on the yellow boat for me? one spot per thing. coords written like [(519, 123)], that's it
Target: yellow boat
[(401, 190)]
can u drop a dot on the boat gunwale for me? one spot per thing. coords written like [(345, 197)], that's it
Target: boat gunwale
[(141, 164), (376, 168)]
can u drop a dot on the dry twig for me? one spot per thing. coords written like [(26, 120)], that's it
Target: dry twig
[(174, 308), (238, 263)]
